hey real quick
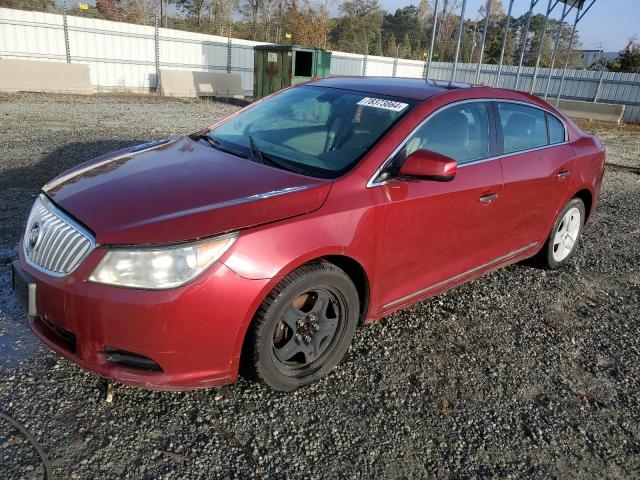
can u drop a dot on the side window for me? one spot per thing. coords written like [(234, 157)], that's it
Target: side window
[(522, 127), (556, 129), (460, 132)]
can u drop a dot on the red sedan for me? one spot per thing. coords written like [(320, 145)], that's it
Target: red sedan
[(265, 240)]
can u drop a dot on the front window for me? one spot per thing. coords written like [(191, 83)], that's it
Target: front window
[(312, 130), (460, 132)]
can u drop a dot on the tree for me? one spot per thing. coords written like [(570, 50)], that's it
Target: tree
[(493, 43), (358, 26), (405, 47), (424, 17), (310, 25), (131, 11), (390, 45), (221, 11), (628, 60), (250, 9), (34, 5)]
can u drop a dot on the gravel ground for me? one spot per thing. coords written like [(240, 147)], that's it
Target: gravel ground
[(522, 373)]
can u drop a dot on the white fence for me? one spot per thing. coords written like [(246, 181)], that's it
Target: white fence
[(122, 57)]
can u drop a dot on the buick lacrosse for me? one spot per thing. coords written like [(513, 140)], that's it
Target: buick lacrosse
[(261, 243)]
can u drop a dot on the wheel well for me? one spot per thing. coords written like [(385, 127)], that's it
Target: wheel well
[(357, 275), (354, 271), (587, 199)]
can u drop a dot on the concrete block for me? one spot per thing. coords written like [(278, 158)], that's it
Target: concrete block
[(43, 76), (593, 111), (188, 83)]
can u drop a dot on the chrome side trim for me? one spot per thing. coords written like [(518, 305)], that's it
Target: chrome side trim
[(372, 183), (461, 275)]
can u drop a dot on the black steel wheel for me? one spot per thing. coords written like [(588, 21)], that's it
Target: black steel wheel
[(303, 328)]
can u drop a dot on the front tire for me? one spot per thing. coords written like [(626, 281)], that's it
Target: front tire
[(565, 235), (303, 328)]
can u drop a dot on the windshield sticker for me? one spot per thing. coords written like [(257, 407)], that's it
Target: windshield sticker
[(382, 103)]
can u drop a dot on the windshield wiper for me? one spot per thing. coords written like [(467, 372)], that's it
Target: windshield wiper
[(259, 156), (218, 146), (256, 154)]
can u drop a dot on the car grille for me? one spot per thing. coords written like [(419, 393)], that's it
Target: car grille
[(53, 242)]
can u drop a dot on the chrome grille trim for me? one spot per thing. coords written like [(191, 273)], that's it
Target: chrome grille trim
[(60, 243)]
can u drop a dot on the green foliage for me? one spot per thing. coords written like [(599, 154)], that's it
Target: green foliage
[(359, 25), (36, 5), (629, 59)]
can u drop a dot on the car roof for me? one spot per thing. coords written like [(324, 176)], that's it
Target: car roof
[(412, 88)]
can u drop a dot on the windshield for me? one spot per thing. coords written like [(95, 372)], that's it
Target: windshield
[(317, 131)]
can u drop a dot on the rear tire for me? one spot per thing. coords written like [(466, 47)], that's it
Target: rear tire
[(303, 328), (564, 237)]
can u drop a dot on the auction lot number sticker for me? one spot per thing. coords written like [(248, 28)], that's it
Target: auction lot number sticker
[(382, 103)]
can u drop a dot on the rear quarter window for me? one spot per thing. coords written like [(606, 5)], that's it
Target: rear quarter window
[(556, 129)]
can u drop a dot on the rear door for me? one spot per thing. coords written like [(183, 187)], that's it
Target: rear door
[(536, 167), (438, 232)]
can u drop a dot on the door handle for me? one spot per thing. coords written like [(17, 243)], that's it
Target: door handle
[(563, 174), (488, 198)]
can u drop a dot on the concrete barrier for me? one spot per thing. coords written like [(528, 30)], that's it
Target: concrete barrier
[(188, 83), (608, 112), (42, 76)]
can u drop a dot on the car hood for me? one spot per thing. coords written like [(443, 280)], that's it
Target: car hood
[(179, 189)]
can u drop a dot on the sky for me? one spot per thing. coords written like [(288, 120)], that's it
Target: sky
[(611, 22)]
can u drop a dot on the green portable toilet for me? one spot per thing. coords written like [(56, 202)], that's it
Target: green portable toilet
[(279, 66)]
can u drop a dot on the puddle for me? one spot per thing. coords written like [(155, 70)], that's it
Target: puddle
[(16, 341)]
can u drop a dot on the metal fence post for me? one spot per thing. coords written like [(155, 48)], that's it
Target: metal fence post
[(365, 58), (433, 39), (570, 47), (156, 38), (65, 27), (484, 37), (505, 35), (229, 53), (524, 42), (556, 45), (544, 30), (460, 28), (602, 69)]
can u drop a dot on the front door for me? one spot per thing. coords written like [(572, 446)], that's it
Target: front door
[(438, 232)]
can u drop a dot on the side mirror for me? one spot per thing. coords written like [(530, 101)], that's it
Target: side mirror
[(428, 165)]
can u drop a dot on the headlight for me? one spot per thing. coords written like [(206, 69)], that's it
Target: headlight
[(160, 268)]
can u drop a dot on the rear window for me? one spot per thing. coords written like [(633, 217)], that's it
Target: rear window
[(522, 127)]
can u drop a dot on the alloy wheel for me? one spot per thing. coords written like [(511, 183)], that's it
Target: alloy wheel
[(566, 234)]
